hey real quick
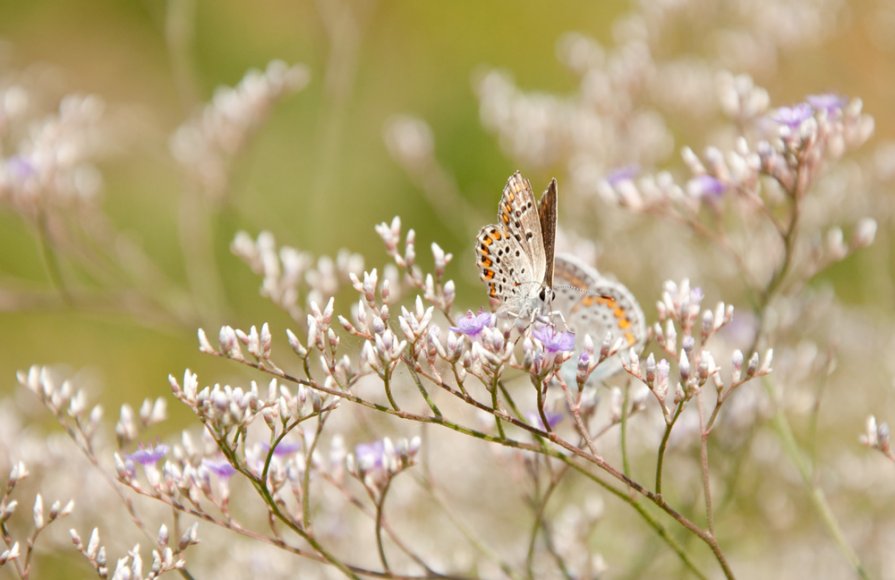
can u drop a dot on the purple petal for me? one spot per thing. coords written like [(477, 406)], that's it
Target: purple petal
[(553, 418), (473, 324), (706, 186), (219, 467), (148, 455), (370, 454), (284, 448), (626, 173), (554, 341), (831, 103), (793, 116)]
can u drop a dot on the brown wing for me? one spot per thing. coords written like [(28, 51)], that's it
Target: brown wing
[(547, 216)]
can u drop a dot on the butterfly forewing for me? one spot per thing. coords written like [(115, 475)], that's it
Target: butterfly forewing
[(547, 217), (518, 213), (510, 253)]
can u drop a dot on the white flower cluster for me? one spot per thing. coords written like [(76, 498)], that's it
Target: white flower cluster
[(681, 320), (130, 567), (54, 161), (206, 146), (290, 277), (15, 554)]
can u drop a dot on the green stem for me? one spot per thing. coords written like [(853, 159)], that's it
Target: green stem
[(646, 516), (623, 439), (419, 385), (541, 388), (380, 512), (306, 480), (51, 259), (817, 496), (387, 383), (704, 466), (539, 518), (260, 486), (596, 460), (494, 403), (660, 461)]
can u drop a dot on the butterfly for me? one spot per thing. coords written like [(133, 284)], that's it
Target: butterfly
[(515, 255), (599, 306), (516, 260)]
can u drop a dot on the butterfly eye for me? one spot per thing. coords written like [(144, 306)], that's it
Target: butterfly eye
[(547, 294)]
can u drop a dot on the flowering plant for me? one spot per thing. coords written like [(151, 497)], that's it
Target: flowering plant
[(395, 427)]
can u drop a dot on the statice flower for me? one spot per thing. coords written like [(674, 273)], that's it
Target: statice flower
[(553, 341), (371, 455), (149, 455), (793, 116), (553, 419), (706, 187), (625, 173), (472, 325), (831, 103), (284, 448), (219, 467)]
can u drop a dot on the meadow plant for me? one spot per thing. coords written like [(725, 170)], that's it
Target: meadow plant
[(395, 427)]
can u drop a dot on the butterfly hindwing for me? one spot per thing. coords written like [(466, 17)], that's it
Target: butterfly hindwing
[(596, 305)]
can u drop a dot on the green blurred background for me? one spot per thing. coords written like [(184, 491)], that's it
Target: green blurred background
[(318, 174), (415, 58)]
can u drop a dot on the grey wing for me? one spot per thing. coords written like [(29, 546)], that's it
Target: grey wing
[(596, 305), (547, 217)]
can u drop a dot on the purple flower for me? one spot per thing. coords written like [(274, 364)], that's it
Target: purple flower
[(370, 455), (283, 448), (831, 103), (740, 332), (696, 295), (706, 186), (473, 324), (220, 467), (148, 455), (553, 419), (555, 341), (21, 167), (626, 173), (793, 116)]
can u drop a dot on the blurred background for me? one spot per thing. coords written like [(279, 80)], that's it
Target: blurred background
[(318, 174), (325, 167)]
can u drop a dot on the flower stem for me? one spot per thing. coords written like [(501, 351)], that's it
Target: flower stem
[(380, 512), (816, 494), (660, 461)]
